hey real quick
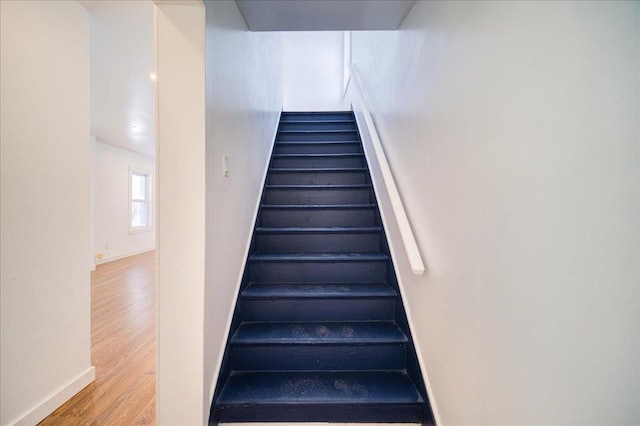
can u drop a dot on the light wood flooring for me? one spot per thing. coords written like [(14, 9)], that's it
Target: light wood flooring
[(123, 348)]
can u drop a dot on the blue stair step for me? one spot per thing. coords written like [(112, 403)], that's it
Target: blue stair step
[(318, 215), (313, 301), (317, 290), (318, 194), (316, 125), (319, 176), (318, 240), (314, 267), (327, 333), (316, 135), (319, 333), (317, 160), (310, 147), (308, 346), (317, 257), (316, 116), (376, 396)]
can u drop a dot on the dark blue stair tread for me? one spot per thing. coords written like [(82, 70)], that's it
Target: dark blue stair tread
[(330, 155), (317, 290), (281, 143), (372, 387), (320, 131), (316, 169), (327, 120), (318, 113), (351, 186), (317, 206), (353, 142), (318, 333), (320, 230), (319, 257)]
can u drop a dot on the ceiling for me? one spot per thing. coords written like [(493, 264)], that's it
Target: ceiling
[(122, 61), (123, 58), (324, 15)]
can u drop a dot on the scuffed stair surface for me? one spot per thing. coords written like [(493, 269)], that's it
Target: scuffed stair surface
[(319, 332), (321, 396), (315, 290), (320, 257), (320, 387)]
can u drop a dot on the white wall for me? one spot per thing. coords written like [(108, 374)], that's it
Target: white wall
[(45, 163), (512, 130), (180, 219), (313, 70), (111, 207), (244, 99)]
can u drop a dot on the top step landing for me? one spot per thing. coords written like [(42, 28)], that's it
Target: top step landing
[(290, 116)]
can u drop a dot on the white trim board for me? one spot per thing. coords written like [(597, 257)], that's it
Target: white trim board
[(121, 256), (48, 405)]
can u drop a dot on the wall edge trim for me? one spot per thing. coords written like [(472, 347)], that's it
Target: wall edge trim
[(54, 400)]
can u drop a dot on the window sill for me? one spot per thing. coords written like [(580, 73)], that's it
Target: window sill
[(140, 230)]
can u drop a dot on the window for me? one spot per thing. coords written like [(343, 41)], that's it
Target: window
[(140, 205)]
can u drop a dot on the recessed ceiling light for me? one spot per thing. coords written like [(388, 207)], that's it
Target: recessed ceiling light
[(152, 76)]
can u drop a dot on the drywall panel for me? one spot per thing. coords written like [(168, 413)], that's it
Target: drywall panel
[(244, 100), (313, 70), (181, 216), (111, 208), (45, 220), (512, 131)]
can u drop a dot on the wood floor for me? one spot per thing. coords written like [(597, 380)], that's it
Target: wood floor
[(123, 348)]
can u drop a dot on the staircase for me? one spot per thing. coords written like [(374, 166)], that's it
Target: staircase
[(319, 331)]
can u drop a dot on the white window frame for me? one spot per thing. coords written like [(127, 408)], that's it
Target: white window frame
[(149, 201)]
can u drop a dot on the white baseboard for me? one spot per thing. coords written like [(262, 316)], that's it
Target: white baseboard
[(56, 399), (122, 256)]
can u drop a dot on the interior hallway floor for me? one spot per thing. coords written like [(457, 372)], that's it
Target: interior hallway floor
[(123, 348)]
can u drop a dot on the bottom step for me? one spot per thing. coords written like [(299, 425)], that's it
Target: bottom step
[(372, 396), (317, 424)]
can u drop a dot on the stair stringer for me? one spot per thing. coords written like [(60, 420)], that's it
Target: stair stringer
[(416, 368), (233, 319)]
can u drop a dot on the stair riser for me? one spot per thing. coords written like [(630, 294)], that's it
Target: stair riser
[(317, 217), (317, 148), (317, 178), (319, 357), (318, 196), (318, 243), (315, 162), (318, 126), (324, 116), (340, 271), (396, 413), (295, 136), (313, 309)]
